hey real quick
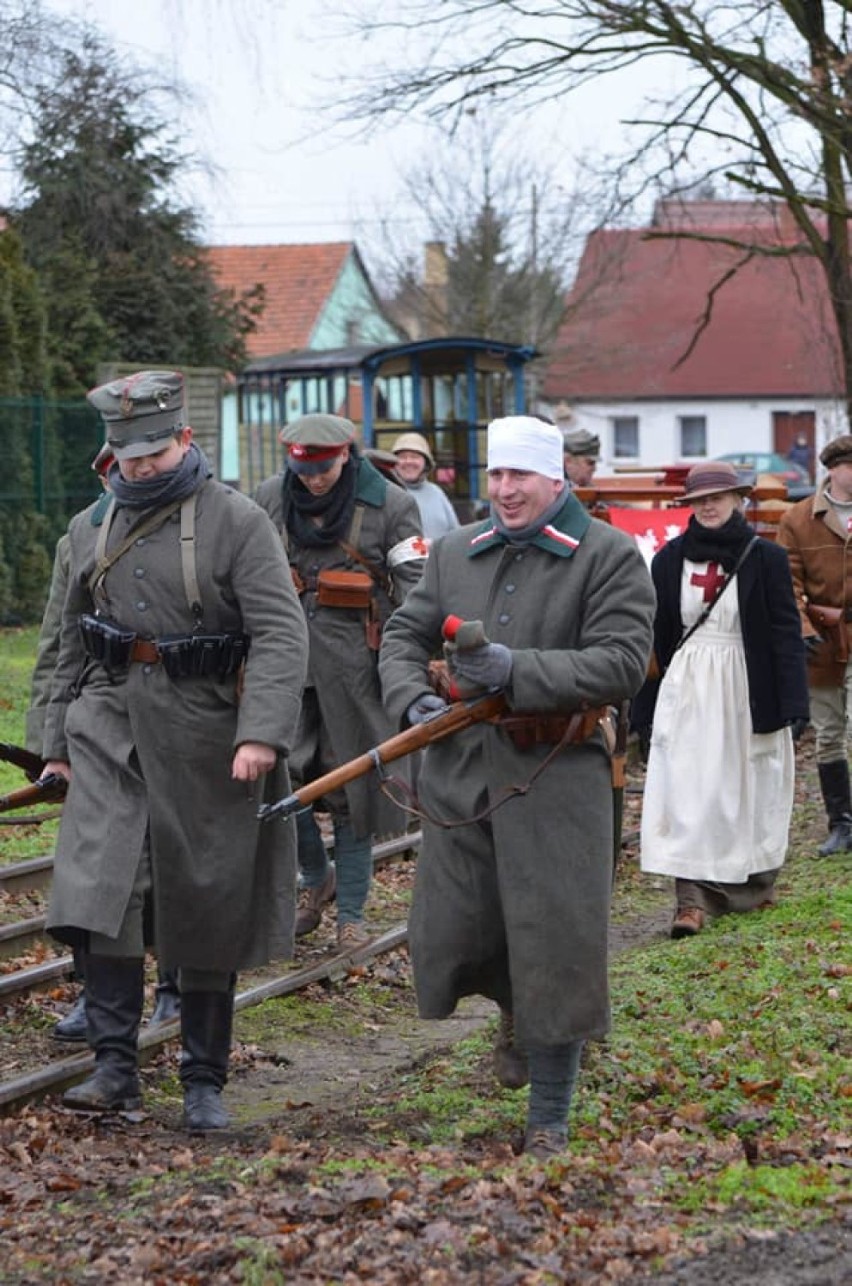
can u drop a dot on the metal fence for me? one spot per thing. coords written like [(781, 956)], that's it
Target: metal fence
[(57, 442), (46, 450)]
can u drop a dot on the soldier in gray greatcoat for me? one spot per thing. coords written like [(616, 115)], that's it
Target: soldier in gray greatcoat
[(355, 544), (72, 1026), (174, 704), (514, 905)]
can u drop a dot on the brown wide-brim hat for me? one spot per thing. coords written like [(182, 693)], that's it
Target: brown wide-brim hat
[(712, 477)]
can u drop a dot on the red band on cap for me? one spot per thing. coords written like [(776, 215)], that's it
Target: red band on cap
[(301, 452)]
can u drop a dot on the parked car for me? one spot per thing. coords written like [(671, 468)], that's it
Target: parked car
[(752, 463)]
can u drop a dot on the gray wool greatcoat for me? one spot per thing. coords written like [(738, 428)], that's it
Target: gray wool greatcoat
[(342, 669), (152, 756), (516, 907)]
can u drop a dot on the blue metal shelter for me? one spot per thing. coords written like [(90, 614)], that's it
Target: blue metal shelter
[(447, 389)]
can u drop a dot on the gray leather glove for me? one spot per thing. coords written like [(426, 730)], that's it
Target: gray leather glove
[(487, 666), (426, 706), (813, 643)]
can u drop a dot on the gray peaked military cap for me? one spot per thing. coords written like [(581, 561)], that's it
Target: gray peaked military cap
[(314, 441), (141, 412), (581, 442)]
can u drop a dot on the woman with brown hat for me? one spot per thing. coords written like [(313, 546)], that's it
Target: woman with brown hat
[(728, 642)]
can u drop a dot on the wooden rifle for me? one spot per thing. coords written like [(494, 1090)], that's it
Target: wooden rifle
[(47, 790), (31, 764), (435, 727)]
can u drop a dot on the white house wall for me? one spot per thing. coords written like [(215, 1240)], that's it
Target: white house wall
[(731, 426)]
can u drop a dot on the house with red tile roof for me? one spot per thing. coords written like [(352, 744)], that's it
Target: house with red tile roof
[(317, 296), (679, 348)]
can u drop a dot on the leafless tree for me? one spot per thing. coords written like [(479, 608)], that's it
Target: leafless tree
[(764, 105), (496, 240)]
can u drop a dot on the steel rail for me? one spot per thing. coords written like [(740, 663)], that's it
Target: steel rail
[(68, 1071), (37, 977)]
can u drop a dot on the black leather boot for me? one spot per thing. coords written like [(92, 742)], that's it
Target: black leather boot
[(73, 1026), (167, 1002), (114, 995), (834, 783), (206, 1022)]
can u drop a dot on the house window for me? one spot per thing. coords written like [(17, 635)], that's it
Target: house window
[(693, 434), (625, 436)]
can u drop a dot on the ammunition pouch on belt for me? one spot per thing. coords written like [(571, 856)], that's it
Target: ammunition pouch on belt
[(182, 656), (528, 730), (202, 656), (106, 641)]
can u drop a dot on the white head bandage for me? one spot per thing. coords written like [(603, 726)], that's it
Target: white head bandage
[(522, 442)]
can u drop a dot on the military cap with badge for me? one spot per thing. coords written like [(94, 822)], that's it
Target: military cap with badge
[(314, 441), (142, 412)]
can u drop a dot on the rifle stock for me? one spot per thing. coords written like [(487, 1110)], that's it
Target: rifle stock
[(461, 714), (47, 790), (32, 764)]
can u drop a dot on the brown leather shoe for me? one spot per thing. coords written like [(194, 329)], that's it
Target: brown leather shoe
[(545, 1141), (688, 921), (510, 1063), (352, 935), (313, 901)]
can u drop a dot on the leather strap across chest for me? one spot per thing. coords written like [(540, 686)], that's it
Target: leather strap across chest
[(154, 521)]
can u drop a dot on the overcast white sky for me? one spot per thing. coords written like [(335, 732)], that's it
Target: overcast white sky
[(258, 69)]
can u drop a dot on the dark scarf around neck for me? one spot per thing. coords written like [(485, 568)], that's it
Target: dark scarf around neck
[(335, 508), (164, 488), (721, 545)]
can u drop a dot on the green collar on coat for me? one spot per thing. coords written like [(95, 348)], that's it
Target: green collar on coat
[(560, 537), (99, 509), (371, 487)]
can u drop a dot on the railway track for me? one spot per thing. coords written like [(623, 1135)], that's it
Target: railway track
[(59, 1075), (17, 938)]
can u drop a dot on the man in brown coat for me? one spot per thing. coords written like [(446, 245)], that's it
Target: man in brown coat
[(816, 533)]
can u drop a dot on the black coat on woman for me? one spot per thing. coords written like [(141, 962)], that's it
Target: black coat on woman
[(771, 628)]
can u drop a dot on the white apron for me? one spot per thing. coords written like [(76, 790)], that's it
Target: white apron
[(718, 797)]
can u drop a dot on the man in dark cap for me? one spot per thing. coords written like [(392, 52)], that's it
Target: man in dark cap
[(581, 453), (174, 703), (355, 544), (816, 533), (72, 1026)]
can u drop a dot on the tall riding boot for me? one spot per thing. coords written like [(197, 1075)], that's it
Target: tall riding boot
[(72, 1027), (206, 1022), (834, 783), (167, 998), (114, 996)]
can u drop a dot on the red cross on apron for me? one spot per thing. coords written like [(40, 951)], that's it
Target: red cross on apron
[(710, 581)]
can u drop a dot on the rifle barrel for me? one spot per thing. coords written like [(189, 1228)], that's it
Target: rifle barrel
[(32, 764), (461, 714)]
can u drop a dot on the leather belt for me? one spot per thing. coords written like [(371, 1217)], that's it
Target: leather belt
[(145, 650), (527, 730)]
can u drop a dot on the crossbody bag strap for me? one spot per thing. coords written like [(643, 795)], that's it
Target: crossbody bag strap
[(719, 592), (349, 547)]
